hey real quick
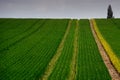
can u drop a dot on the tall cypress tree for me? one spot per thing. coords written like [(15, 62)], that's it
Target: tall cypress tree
[(110, 12)]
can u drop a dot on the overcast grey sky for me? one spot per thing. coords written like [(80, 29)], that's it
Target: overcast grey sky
[(58, 8)]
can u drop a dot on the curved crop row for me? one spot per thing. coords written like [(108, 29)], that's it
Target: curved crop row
[(16, 29), (62, 67), (53, 61), (8, 26), (6, 21), (107, 47), (7, 44), (28, 59)]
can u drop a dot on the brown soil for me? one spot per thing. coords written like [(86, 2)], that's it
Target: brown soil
[(112, 71)]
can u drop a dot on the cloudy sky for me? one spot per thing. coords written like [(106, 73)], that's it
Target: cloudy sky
[(58, 8)]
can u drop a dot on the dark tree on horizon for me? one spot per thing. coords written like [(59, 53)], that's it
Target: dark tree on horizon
[(110, 12)]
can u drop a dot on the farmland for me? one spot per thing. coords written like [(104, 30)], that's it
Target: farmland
[(111, 33), (108, 31), (89, 64), (54, 49), (62, 67), (25, 56)]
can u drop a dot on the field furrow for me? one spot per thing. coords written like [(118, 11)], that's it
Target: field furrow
[(59, 49), (52, 63), (62, 67), (7, 22), (17, 30), (73, 68), (114, 57), (11, 42), (114, 74), (28, 59)]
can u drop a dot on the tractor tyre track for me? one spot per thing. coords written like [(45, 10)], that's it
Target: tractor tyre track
[(73, 65), (53, 61), (112, 71), (19, 33), (22, 38)]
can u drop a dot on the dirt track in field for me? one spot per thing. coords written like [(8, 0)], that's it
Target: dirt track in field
[(73, 65), (112, 71), (53, 61)]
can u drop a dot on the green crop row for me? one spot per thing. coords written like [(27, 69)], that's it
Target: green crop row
[(15, 29), (62, 67), (6, 22), (31, 51), (110, 30), (90, 65), (14, 40), (108, 34), (27, 46)]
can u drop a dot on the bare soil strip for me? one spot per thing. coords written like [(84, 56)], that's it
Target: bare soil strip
[(112, 71), (73, 65), (53, 61)]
